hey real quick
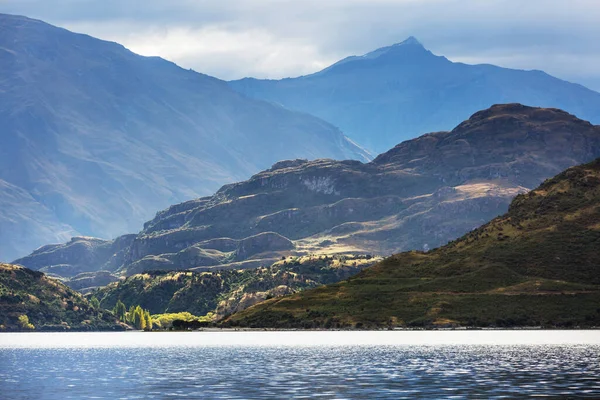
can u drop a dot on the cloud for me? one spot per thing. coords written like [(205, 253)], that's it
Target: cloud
[(279, 38)]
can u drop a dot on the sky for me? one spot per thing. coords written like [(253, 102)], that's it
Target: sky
[(232, 39)]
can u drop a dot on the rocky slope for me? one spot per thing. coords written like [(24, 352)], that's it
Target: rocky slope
[(96, 138), (398, 92), (229, 291), (535, 265), (29, 300), (419, 195)]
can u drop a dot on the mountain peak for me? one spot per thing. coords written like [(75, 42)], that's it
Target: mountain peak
[(410, 41), (410, 46)]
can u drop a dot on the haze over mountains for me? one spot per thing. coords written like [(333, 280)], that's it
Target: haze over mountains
[(94, 138), (418, 195), (398, 92)]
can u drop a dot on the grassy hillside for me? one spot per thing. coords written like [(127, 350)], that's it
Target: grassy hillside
[(29, 300), (539, 264), (227, 291)]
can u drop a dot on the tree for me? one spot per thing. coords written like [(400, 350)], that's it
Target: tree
[(94, 302), (135, 318), (120, 311), (131, 314), (24, 322), (139, 320), (148, 320)]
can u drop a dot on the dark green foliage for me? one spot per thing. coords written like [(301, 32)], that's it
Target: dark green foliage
[(94, 302), (201, 292), (30, 300), (181, 325), (120, 311)]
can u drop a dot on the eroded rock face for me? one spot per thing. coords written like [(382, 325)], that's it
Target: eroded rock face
[(261, 243), (80, 254), (419, 195), (88, 281)]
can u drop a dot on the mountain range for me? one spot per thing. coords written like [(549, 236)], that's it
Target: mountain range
[(94, 138), (401, 91), (536, 265), (418, 195)]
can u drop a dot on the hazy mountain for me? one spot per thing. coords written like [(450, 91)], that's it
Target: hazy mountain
[(94, 138), (418, 195), (399, 92), (535, 265)]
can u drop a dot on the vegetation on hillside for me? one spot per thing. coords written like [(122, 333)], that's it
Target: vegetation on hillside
[(537, 265), (224, 292), (181, 321), (29, 300)]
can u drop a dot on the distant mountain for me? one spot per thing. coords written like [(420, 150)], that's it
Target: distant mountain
[(29, 300), (94, 138), (418, 195), (537, 265), (399, 92)]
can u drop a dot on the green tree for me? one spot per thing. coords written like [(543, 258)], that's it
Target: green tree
[(148, 320), (94, 302), (135, 318), (120, 311), (131, 314), (24, 322), (139, 321)]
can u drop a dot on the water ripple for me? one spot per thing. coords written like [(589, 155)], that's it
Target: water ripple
[(325, 372)]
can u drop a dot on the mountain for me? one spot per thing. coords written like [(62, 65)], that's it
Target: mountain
[(535, 265), (398, 92), (418, 195), (29, 300), (225, 292), (95, 137)]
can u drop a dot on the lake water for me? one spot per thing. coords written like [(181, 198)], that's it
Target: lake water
[(327, 365)]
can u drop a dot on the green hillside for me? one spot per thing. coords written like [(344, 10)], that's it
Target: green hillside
[(29, 300), (227, 291), (537, 265)]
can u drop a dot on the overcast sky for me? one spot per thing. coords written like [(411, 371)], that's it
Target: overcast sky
[(278, 38)]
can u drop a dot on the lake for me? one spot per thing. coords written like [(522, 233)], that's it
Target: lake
[(327, 365)]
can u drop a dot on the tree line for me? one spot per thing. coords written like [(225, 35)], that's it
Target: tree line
[(135, 316)]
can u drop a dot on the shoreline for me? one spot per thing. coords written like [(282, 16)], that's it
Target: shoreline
[(218, 330)]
